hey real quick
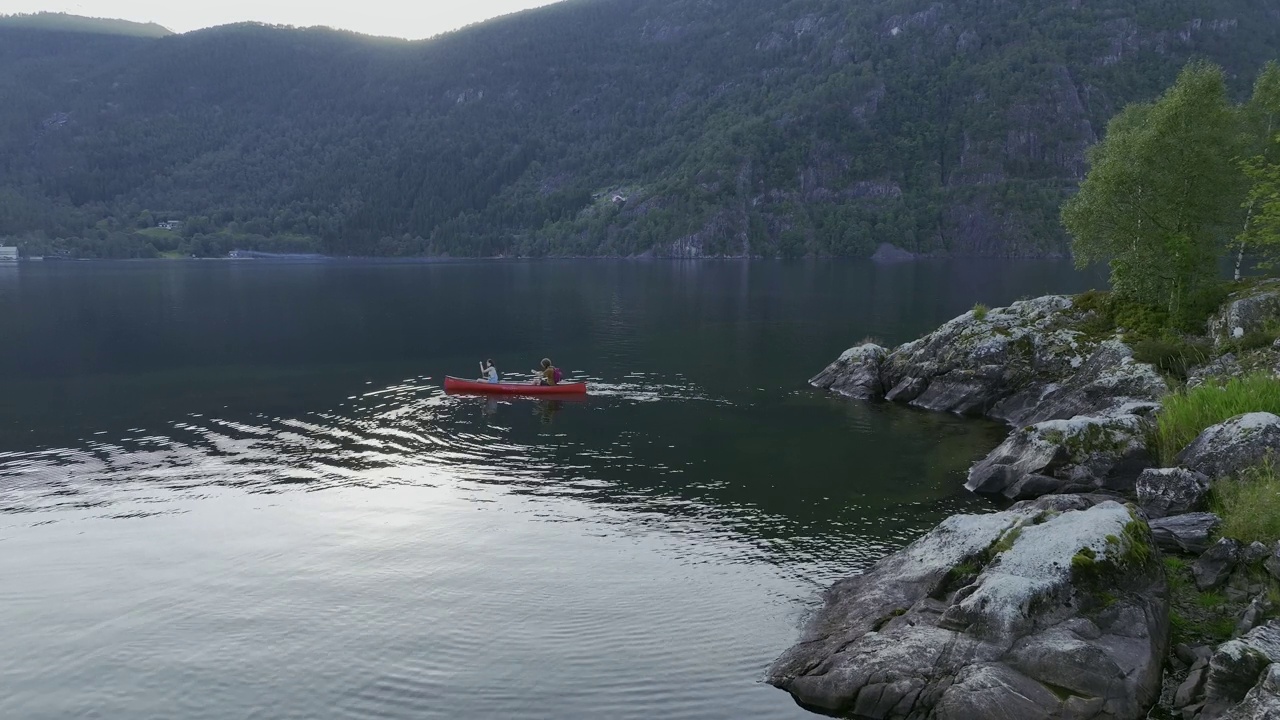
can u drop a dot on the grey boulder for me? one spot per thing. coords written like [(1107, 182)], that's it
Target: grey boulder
[(1188, 533), (1212, 569), (1107, 381), (1236, 668), (1230, 447), (1246, 312), (1171, 491), (1253, 615), (855, 374), (1254, 552), (1262, 702), (1024, 364), (1272, 563), (1083, 454), (1192, 689), (1029, 613)]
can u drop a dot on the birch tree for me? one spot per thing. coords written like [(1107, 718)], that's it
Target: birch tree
[(1161, 188)]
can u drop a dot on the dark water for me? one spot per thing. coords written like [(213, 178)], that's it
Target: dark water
[(236, 490)]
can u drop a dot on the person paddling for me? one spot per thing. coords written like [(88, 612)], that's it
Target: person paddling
[(488, 373), (548, 375)]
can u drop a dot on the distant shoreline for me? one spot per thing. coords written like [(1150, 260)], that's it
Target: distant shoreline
[(286, 259)]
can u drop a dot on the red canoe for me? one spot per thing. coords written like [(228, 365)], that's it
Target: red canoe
[(453, 384)]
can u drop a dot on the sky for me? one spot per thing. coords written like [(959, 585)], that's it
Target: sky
[(411, 19)]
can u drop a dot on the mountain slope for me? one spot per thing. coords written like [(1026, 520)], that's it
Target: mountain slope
[(76, 23), (681, 127)]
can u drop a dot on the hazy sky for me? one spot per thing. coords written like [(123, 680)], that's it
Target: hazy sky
[(399, 18)]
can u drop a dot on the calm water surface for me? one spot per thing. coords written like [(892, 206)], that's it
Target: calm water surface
[(236, 489)]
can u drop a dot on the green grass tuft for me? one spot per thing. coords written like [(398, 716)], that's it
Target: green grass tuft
[(1137, 551), (1173, 356), (1186, 414), (1249, 505), (980, 312), (1006, 541), (1210, 600)]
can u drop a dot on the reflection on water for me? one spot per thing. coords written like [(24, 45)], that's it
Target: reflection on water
[(231, 491), (618, 447), (676, 577)]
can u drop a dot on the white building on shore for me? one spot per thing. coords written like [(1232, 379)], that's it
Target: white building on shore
[(8, 254)]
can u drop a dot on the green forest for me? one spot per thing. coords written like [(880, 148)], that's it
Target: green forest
[(685, 128)]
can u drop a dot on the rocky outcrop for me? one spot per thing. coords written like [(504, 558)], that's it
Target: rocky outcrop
[(1188, 533), (1083, 454), (1054, 608), (1238, 444), (855, 374), (1109, 381), (1077, 400), (1245, 312), (1171, 491), (1024, 364), (1057, 607)]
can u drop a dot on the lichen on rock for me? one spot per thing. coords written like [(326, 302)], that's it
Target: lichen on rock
[(1024, 363), (1237, 666), (1016, 631), (1171, 491), (1083, 454), (1247, 311), (1032, 365), (855, 374), (1231, 447)]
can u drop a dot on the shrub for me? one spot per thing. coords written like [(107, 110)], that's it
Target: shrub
[(1186, 414), (1249, 505), (980, 312), (1112, 312), (1200, 306), (1092, 301), (1173, 356), (1139, 320)]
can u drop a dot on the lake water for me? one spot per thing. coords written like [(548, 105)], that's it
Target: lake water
[(237, 490)]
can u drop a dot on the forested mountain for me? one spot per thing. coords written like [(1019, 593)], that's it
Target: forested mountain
[(75, 23), (618, 127)]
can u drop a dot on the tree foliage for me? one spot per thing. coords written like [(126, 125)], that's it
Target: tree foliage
[(1159, 193), (1262, 235), (1261, 121)]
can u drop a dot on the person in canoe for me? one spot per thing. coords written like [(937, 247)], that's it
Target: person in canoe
[(488, 372), (548, 375)]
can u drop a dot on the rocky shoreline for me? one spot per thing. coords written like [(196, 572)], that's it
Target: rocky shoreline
[(1062, 605)]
